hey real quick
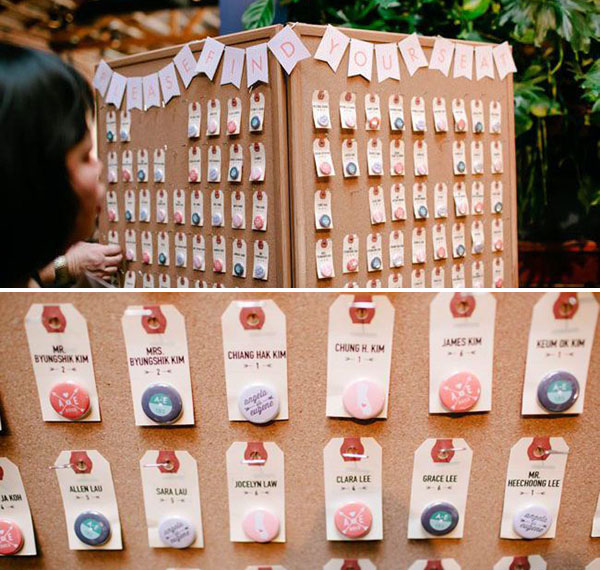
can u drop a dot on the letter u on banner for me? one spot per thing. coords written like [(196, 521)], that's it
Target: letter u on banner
[(386, 58)]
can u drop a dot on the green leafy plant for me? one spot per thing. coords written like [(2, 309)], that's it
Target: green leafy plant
[(556, 89)]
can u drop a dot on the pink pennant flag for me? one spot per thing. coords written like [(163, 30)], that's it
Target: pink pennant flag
[(288, 49), (168, 82), (386, 58), (257, 64), (233, 66), (360, 61), (412, 53), (484, 62), (134, 93), (186, 65), (441, 56), (151, 91), (332, 47), (210, 57), (504, 60)]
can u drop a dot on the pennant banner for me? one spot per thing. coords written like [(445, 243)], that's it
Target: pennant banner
[(156, 89)]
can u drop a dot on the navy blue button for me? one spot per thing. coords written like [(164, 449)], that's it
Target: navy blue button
[(238, 269), (398, 123), (128, 215), (92, 528), (439, 518), (558, 391), (423, 211), (234, 173), (110, 136), (498, 207), (162, 258), (325, 221), (140, 175), (460, 250), (195, 218), (255, 122), (162, 403), (460, 166), (478, 127), (376, 263)]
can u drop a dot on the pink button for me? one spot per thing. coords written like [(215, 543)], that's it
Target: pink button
[(326, 270), (399, 212), (461, 125), (237, 221), (111, 215), (349, 122), (162, 215), (460, 392), (420, 257), (478, 207), (178, 217), (325, 168), (441, 252), (256, 173), (441, 125), (258, 222), (11, 537), (354, 520), (498, 245), (212, 126), (374, 123), (146, 257), (398, 168), (499, 282), (70, 401), (126, 175), (422, 170), (497, 166), (217, 266), (129, 255), (261, 525), (193, 175), (197, 262), (231, 127), (377, 217), (112, 176), (364, 399), (352, 264), (462, 209)]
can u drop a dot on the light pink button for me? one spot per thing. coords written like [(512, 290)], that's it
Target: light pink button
[(258, 222), (398, 168), (478, 207), (325, 168), (461, 125), (126, 175), (364, 399), (217, 266), (460, 392), (111, 215), (499, 244), (354, 520), (129, 255), (420, 257), (352, 264), (422, 170), (499, 282), (237, 221), (397, 261), (193, 175), (326, 270), (231, 127), (378, 217), (212, 126), (256, 173), (399, 212), (112, 176), (462, 209), (197, 262), (349, 122), (374, 123), (441, 252), (497, 166), (146, 257), (441, 125), (162, 214), (261, 525), (177, 216)]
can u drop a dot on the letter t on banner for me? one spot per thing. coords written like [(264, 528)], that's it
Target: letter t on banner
[(332, 47), (504, 60), (287, 47)]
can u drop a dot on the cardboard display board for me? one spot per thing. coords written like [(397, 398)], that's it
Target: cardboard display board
[(167, 128), (350, 196), (34, 445)]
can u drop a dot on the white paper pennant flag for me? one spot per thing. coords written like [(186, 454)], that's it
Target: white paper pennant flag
[(463, 61), (504, 60), (441, 56), (134, 93), (360, 61), (288, 49), (257, 64), (386, 59), (484, 62), (102, 77), (151, 91), (412, 53), (210, 57), (116, 89), (233, 66), (186, 65), (332, 47), (168, 82)]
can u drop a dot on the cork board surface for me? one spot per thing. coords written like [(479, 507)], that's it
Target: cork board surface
[(34, 445), (350, 199), (167, 126)]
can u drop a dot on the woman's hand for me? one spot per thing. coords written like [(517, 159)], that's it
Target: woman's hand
[(101, 260)]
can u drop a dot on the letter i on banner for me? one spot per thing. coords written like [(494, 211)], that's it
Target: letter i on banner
[(558, 355), (255, 353), (89, 500), (61, 355), (332, 47), (359, 355), (534, 482), (461, 352), (158, 363)]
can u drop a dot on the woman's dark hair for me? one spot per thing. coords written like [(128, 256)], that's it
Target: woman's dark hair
[(43, 108)]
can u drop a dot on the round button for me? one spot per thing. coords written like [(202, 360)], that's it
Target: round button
[(441, 125), (422, 170), (377, 168), (461, 125), (180, 259), (193, 176), (238, 269), (231, 127), (112, 176), (92, 528), (499, 282), (374, 123), (197, 262), (478, 127), (111, 215), (441, 252), (420, 125), (460, 166), (323, 120), (442, 212), (399, 212), (423, 211), (325, 221), (326, 270), (158, 175), (255, 122), (217, 219), (218, 266), (110, 136), (558, 391), (128, 215), (497, 166), (141, 175), (213, 174), (143, 215), (237, 221), (11, 537), (354, 520), (195, 218), (398, 168), (460, 392), (350, 122), (398, 123), (124, 134), (351, 168), (397, 260), (258, 222), (176, 532), (212, 126), (146, 257), (460, 250), (498, 244), (234, 173), (325, 168), (478, 168), (478, 208), (256, 173), (126, 175), (462, 209), (364, 399), (420, 257), (70, 400), (477, 247), (496, 127), (439, 518), (259, 272), (162, 258), (193, 131), (261, 525), (532, 521), (178, 217), (258, 403), (352, 264), (376, 263), (129, 254), (378, 216), (161, 215), (498, 207), (162, 403)]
